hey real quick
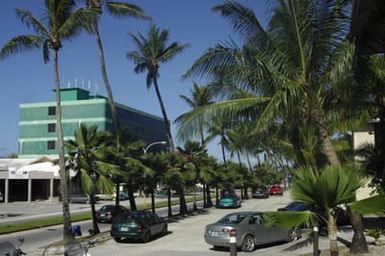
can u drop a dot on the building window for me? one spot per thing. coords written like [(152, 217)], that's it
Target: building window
[(51, 127), (51, 111), (50, 144)]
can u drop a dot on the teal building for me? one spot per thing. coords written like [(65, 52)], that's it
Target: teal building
[(37, 121)]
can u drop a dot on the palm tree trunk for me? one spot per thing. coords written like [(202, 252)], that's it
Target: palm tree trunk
[(223, 153), (117, 194), (131, 196), (332, 228), (95, 226), (182, 200), (152, 200), (209, 201), (64, 179), (359, 244), (204, 195), (107, 85), (166, 121), (216, 196), (169, 210), (324, 138)]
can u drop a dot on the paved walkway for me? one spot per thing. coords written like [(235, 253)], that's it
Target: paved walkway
[(20, 211)]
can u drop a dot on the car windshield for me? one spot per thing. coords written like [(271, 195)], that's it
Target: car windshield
[(107, 208), (297, 206), (233, 218), (131, 215)]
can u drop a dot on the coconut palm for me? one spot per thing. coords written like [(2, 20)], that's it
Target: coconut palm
[(118, 9), (298, 69), (200, 96), (335, 186), (92, 174), (151, 52), (59, 22)]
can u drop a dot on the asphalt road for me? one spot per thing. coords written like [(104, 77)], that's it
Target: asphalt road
[(40, 238), (185, 237)]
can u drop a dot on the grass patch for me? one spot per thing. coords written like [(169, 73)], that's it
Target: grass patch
[(75, 217)]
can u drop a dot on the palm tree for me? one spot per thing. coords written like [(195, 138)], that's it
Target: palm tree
[(151, 52), (60, 22), (200, 96), (298, 69), (91, 173), (335, 186), (117, 9)]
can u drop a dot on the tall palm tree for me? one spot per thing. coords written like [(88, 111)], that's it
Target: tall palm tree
[(60, 22), (118, 9), (151, 52), (298, 69), (91, 173)]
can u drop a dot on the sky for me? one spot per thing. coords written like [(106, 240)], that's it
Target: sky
[(25, 78)]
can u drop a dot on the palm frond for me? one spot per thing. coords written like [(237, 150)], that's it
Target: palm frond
[(371, 205), (31, 21), (19, 44), (120, 9), (289, 219)]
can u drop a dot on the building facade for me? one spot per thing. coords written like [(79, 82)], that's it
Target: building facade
[(33, 176), (37, 125)]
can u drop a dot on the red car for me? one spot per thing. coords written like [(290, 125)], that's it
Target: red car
[(275, 190)]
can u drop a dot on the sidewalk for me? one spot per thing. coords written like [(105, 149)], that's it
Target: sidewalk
[(21, 211)]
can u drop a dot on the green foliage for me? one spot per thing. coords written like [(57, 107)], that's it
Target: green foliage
[(375, 233), (290, 219), (371, 205)]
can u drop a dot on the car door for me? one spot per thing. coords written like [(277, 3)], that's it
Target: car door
[(275, 233), (155, 223), (259, 229)]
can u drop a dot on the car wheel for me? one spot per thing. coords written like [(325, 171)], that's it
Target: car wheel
[(147, 237), (293, 234), (117, 239), (248, 244), (164, 230)]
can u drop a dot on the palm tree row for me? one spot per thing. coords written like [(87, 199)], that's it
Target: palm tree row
[(97, 165), (292, 83)]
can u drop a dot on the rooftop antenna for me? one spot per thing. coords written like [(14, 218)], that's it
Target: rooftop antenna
[(83, 82), (97, 88), (76, 82), (69, 84), (89, 85)]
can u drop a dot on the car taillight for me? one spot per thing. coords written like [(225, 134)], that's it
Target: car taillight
[(231, 231), (139, 228)]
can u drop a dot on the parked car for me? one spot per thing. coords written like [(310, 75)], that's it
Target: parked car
[(342, 217), (275, 190), (81, 198), (138, 225), (229, 199), (122, 195), (107, 212), (104, 196), (260, 192), (250, 230)]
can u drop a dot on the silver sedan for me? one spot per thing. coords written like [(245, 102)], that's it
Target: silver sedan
[(250, 230)]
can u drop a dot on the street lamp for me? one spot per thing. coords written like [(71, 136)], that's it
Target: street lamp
[(145, 149)]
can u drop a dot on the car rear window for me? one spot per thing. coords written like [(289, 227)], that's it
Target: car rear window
[(232, 218)]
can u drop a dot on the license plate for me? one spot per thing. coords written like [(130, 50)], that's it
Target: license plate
[(214, 233), (102, 214), (124, 229)]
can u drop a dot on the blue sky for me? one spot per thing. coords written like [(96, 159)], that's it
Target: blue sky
[(26, 79)]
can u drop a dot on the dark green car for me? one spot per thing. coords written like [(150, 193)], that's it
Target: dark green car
[(139, 225)]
